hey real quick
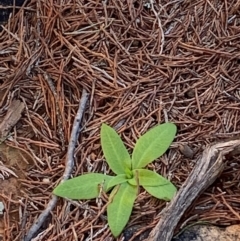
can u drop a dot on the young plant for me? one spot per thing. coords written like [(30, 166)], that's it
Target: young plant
[(130, 174)]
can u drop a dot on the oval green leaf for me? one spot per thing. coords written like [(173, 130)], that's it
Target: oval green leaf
[(165, 192), (153, 144), (121, 178), (86, 186), (120, 207), (114, 150), (146, 177)]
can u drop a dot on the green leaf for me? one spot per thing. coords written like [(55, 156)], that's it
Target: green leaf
[(121, 178), (120, 209), (146, 177), (86, 186), (114, 150), (165, 192), (153, 144)]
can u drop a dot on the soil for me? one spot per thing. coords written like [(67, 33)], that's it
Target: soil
[(11, 186)]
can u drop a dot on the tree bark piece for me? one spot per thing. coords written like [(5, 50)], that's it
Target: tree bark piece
[(13, 115), (205, 172)]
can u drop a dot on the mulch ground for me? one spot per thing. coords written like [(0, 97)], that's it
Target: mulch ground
[(142, 63)]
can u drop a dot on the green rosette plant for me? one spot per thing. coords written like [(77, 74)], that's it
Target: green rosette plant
[(130, 174)]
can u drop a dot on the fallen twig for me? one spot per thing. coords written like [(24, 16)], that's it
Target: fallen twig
[(68, 169), (207, 169)]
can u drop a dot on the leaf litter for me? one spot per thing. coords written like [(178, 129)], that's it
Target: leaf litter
[(142, 64)]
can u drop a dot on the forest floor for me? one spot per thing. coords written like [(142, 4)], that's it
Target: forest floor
[(142, 63)]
